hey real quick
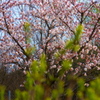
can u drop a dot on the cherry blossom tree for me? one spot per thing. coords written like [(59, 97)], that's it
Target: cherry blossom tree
[(46, 25), (60, 29)]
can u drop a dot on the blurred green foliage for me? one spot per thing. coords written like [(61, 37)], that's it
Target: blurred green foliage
[(2, 91), (40, 84), (26, 26)]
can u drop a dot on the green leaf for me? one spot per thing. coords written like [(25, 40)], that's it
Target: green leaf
[(25, 95), (66, 64), (79, 29), (29, 51), (2, 92), (29, 81), (76, 47), (26, 26), (18, 94), (78, 33), (69, 92), (69, 44), (81, 83), (43, 64), (38, 92)]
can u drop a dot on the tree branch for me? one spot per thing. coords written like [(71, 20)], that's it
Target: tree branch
[(8, 31)]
